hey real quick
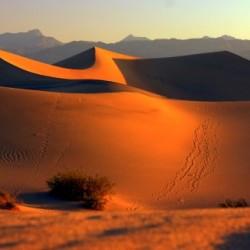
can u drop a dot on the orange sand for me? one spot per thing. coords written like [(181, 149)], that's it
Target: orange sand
[(193, 229), (104, 68), (162, 153)]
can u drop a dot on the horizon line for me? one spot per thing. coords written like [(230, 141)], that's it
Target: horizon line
[(126, 36)]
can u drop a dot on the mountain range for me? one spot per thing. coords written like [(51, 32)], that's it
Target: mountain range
[(33, 44), (27, 42)]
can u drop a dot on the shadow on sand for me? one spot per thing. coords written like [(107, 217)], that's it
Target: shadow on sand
[(239, 241), (45, 200), (9, 245)]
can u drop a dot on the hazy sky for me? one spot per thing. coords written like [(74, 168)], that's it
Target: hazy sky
[(112, 20)]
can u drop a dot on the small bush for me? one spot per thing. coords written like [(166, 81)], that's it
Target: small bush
[(7, 201), (93, 191), (234, 203)]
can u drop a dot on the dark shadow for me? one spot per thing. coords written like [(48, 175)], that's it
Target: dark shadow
[(116, 232), (94, 217), (239, 241), (45, 200), (82, 60), (168, 220), (14, 227), (9, 245), (69, 245), (218, 76), (125, 230)]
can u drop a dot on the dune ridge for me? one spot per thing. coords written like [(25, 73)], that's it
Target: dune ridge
[(104, 67), (219, 76)]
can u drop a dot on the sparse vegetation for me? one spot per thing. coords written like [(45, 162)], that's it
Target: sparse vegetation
[(93, 191), (240, 203), (7, 201)]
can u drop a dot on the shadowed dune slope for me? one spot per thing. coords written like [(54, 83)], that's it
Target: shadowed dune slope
[(220, 76), (83, 60)]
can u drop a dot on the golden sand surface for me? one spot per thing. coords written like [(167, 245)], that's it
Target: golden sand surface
[(216, 229)]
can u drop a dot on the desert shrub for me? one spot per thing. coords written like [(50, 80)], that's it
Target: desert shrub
[(7, 201), (93, 191), (234, 203)]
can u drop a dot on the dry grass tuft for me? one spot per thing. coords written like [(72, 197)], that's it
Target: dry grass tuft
[(93, 191), (240, 203), (8, 201)]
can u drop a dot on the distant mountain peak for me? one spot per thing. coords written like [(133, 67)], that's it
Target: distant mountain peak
[(27, 42), (227, 37), (206, 37), (131, 37), (35, 32)]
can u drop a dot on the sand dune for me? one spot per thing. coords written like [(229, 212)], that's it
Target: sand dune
[(104, 68), (133, 139), (220, 76), (162, 153), (19, 72)]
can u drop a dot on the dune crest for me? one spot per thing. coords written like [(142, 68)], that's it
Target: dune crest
[(220, 76), (104, 68)]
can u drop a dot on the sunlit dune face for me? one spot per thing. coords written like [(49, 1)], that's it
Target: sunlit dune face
[(104, 68), (161, 153)]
